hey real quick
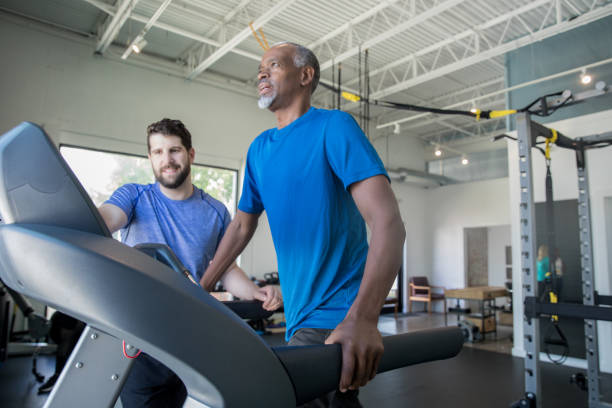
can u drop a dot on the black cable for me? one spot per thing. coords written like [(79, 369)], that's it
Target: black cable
[(499, 137), (545, 112), (367, 89), (405, 106), (563, 342), (417, 108), (484, 114)]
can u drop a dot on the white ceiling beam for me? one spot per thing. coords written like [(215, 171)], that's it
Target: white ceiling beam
[(456, 128), (167, 27), (226, 19), (146, 28), (237, 39), (500, 91), (477, 138), (496, 51), (419, 18), (124, 9), (499, 80), (354, 21), (506, 17)]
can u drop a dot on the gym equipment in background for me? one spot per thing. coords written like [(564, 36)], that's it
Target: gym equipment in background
[(594, 306)]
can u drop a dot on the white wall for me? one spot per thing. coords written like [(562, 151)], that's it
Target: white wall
[(101, 103), (565, 186), (412, 207), (401, 150), (452, 208), (497, 239)]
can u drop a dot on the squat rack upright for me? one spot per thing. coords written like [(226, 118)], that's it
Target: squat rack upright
[(528, 131)]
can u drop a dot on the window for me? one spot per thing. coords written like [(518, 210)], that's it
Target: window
[(101, 173)]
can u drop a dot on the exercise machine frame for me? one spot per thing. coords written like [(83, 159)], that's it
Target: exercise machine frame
[(591, 309)]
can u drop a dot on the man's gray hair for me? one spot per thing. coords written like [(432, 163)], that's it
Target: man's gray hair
[(303, 56)]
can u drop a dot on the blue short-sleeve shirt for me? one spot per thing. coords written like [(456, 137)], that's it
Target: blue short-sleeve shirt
[(192, 228), (300, 175)]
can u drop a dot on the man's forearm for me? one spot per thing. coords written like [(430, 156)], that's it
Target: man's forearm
[(238, 283), (382, 265), (236, 238)]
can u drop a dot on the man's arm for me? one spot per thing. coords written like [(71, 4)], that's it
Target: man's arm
[(358, 333), (238, 284), (113, 216), (235, 239)]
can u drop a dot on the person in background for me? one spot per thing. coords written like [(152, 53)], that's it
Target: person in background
[(543, 268), (558, 264)]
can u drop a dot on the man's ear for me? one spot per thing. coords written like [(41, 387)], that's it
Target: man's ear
[(306, 75), (191, 155)]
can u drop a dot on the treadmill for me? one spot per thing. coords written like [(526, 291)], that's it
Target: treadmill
[(56, 248)]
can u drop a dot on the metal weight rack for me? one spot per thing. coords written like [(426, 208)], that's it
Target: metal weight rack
[(594, 306)]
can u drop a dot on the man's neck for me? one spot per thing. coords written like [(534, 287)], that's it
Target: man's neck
[(285, 116), (182, 192)]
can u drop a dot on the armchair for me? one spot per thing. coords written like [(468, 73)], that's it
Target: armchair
[(422, 291)]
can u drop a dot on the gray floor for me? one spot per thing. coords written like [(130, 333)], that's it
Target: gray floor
[(478, 377)]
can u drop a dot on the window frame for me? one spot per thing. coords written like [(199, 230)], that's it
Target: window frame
[(237, 172)]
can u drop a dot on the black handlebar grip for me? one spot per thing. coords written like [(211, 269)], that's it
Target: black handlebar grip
[(315, 370)]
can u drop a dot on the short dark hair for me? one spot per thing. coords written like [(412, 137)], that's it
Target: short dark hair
[(170, 127), (305, 57)]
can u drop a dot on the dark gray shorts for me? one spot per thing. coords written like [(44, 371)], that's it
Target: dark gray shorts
[(335, 399), (309, 336)]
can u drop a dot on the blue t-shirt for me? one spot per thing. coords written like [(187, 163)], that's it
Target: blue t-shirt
[(300, 176), (192, 228)]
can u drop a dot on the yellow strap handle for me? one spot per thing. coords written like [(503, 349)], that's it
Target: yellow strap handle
[(501, 113), (350, 96), (554, 299), (549, 141)]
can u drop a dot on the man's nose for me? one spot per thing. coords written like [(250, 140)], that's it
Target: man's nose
[(167, 158), (262, 74)]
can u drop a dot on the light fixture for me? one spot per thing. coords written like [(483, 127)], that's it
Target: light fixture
[(137, 46), (464, 161), (438, 152), (396, 129), (585, 78)]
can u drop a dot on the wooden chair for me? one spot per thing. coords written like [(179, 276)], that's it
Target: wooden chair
[(422, 291), (392, 301)]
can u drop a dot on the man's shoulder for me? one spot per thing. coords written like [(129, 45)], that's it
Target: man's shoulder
[(334, 115), (134, 188), (263, 136), (209, 200), (130, 192)]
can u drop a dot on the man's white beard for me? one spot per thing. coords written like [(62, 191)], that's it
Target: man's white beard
[(265, 101)]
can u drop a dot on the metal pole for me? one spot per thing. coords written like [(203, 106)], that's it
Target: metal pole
[(339, 96), (531, 327), (588, 280)]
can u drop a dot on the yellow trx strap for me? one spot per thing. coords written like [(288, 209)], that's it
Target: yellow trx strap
[(501, 113), (549, 141), (350, 96), (553, 299)]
